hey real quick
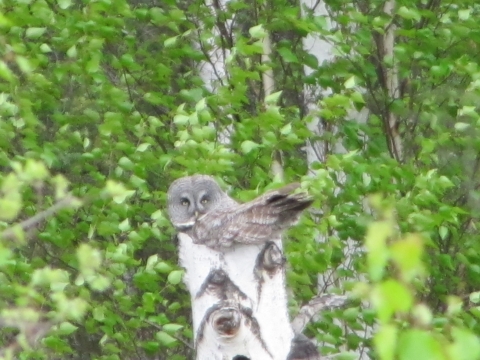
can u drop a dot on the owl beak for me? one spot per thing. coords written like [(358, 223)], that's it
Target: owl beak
[(196, 214)]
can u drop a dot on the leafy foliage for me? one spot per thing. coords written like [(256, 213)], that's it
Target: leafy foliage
[(106, 102)]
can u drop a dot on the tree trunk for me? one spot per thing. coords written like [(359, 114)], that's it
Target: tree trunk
[(239, 302)]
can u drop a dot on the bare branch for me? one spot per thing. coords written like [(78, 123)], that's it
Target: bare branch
[(11, 232), (267, 75), (314, 306), (395, 141), (177, 337), (30, 334), (268, 81)]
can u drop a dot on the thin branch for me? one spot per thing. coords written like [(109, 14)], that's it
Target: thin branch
[(184, 342), (391, 77), (11, 232), (314, 306), (267, 75), (30, 334)]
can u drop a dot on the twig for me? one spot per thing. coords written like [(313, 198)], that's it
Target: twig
[(11, 232), (314, 306), (179, 338), (30, 334)]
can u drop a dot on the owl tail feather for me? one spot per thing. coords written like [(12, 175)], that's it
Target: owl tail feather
[(286, 200)]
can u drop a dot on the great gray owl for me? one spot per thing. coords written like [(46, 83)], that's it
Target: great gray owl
[(198, 206)]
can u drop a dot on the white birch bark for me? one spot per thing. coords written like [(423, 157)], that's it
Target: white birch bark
[(392, 83), (239, 300)]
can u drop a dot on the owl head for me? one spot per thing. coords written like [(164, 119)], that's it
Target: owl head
[(193, 196)]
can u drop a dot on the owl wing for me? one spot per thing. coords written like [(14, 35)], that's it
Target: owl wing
[(254, 222)]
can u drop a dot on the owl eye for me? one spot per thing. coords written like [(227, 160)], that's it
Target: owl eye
[(184, 202), (204, 200)]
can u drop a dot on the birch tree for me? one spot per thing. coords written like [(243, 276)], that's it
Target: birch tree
[(259, 325)]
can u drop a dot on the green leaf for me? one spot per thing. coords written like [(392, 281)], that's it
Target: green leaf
[(287, 55), (181, 119), (117, 191), (422, 314), (273, 98), (45, 48), (201, 105), (98, 313), (385, 341), (461, 126), (89, 259), (72, 51), (99, 283), (248, 145), (56, 279), (375, 241), (287, 129), (157, 215), (467, 110), (164, 338), (464, 14), (346, 356), (5, 255), (257, 32), (475, 297), (175, 277), (23, 64), (93, 65), (357, 97), (10, 207), (172, 328), (5, 72), (409, 13), (350, 83), (124, 225), (66, 328), (4, 22), (64, 4), (443, 232), (126, 163), (35, 32), (170, 42), (151, 262), (419, 345), (163, 267), (407, 254), (454, 305), (35, 170), (465, 346), (390, 297)]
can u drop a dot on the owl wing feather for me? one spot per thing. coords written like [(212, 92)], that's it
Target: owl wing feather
[(254, 222)]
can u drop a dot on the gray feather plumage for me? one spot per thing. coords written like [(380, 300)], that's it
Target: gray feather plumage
[(221, 221)]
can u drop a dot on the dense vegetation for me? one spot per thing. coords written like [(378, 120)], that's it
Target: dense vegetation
[(104, 103)]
